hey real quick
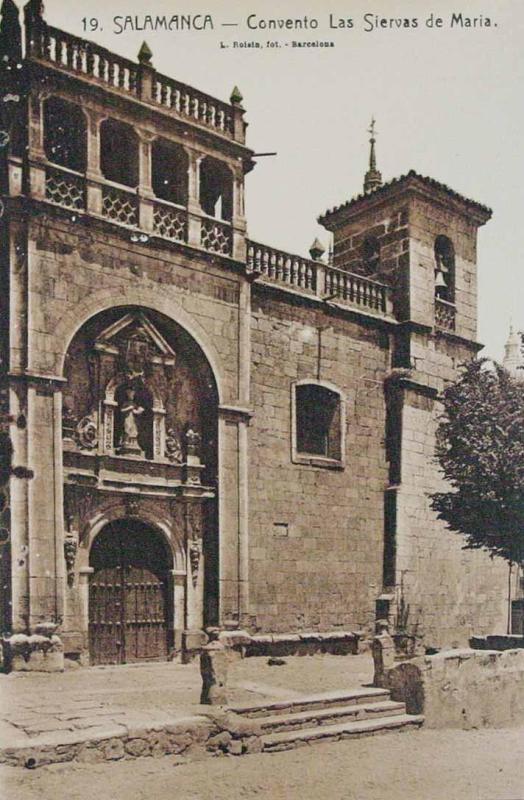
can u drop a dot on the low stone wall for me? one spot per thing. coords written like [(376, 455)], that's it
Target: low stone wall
[(497, 642), (217, 732), (301, 644), (462, 688)]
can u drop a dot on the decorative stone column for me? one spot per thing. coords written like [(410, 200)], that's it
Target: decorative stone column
[(194, 210), (19, 490), (84, 575), (238, 221), (179, 577), (94, 175), (233, 513), (159, 433), (194, 636), (145, 187), (36, 144)]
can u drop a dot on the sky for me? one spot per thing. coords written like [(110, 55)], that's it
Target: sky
[(448, 103)]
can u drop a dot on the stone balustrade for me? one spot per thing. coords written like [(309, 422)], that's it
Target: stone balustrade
[(316, 278), (193, 105), (444, 315), (170, 221), (84, 58), (87, 60), (65, 188), (357, 290), (283, 267)]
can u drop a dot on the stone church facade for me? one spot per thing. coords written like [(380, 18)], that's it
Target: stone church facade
[(206, 430)]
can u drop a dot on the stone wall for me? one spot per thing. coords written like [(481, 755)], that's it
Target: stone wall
[(462, 688), (315, 533), (451, 592)]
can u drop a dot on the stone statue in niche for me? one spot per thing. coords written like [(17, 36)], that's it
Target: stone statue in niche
[(192, 442), (173, 447), (130, 411)]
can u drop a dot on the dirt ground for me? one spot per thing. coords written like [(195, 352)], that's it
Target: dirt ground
[(418, 765)]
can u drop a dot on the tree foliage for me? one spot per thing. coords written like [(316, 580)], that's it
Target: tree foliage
[(480, 449)]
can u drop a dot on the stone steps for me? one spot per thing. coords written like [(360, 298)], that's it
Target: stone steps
[(346, 730), (337, 714), (329, 716), (314, 701)]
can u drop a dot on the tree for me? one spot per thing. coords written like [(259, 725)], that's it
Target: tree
[(480, 449)]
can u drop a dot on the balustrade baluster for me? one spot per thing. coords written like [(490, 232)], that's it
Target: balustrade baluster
[(310, 276), (48, 45), (90, 62)]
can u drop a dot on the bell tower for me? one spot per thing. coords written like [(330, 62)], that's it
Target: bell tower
[(418, 236)]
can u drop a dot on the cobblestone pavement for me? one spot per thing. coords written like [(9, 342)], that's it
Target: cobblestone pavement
[(98, 698), (420, 765)]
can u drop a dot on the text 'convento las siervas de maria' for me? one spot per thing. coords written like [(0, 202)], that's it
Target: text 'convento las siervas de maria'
[(368, 22)]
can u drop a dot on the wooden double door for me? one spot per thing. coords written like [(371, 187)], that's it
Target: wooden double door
[(129, 610)]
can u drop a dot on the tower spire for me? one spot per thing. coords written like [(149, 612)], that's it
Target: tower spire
[(10, 33), (373, 178)]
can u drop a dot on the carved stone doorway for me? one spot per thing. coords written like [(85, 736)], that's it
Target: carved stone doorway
[(129, 608)]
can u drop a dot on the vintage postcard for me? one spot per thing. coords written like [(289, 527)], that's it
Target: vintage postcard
[(251, 254)]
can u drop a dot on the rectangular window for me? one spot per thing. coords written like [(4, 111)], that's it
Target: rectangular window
[(318, 422)]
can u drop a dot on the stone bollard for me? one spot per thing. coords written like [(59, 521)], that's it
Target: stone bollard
[(383, 650), (214, 662)]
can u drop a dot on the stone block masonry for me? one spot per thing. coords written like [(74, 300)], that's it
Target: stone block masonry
[(315, 531)]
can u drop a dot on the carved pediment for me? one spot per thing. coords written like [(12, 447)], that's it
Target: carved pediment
[(135, 341)]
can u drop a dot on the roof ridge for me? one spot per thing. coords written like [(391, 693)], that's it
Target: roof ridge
[(412, 173)]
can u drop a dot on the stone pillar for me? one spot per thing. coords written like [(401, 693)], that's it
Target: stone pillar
[(19, 490), (94, 175), (194, 211), (145, 187), (214, 662), (239, 126), (238, 221), (383, 650), (19, 486), (233, 513), (36, 145), (179, 606), (46, 535), (84, 575), (194, 636), (146, 80)]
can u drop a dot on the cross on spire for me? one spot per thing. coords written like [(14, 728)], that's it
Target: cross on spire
[(373, 178)]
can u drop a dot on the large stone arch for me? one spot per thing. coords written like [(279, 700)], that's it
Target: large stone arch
[(146, 513), (96, 302), (130, 598)]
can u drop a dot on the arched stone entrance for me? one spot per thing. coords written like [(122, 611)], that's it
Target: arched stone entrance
[(130, 611)]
